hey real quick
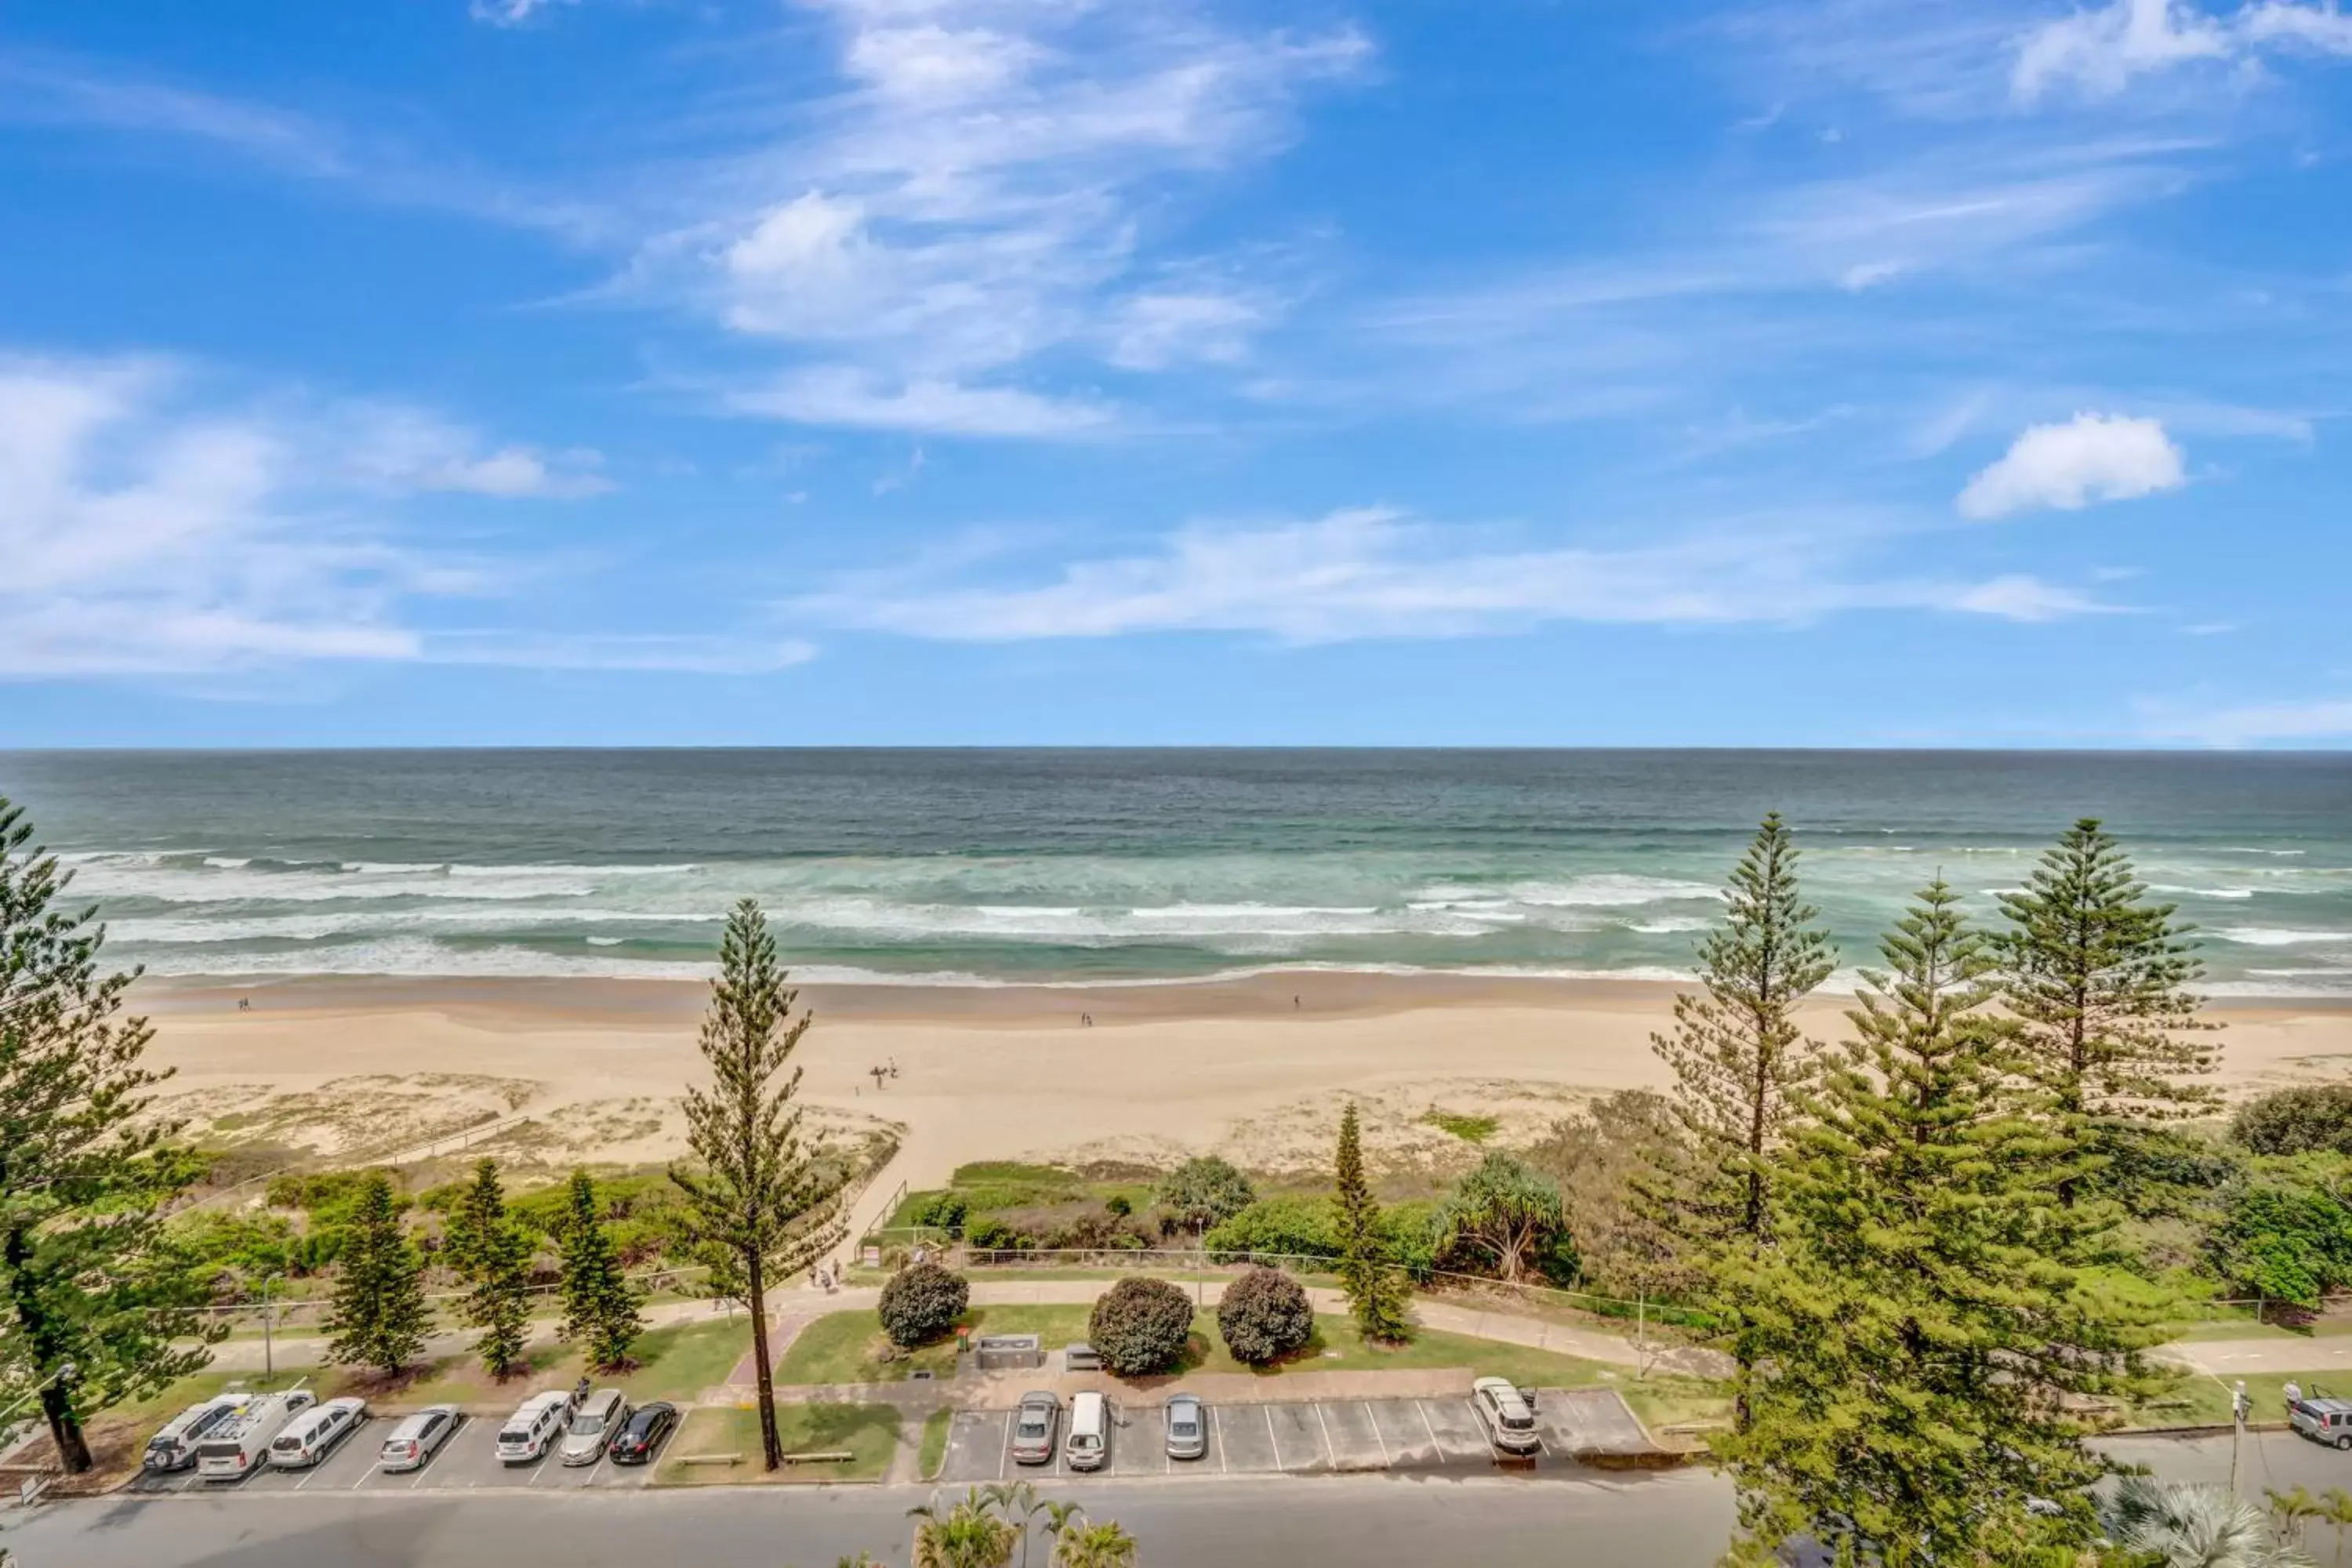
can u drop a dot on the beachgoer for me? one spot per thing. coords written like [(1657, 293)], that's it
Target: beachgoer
[(2291, 1392)]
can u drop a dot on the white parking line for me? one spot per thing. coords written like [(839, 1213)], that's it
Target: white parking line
[(1004, 1456), (1431, 1427), (1217, 1425), (1270, 1437), (1383, 1442), (1330, 1457)]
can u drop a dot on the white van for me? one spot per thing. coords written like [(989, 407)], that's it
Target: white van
[(312, 1435), (1089, 1444), (240, 1444), (524, 1439), (174, 1447)]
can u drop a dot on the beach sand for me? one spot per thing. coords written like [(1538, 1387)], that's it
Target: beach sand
[(1253, 1068)]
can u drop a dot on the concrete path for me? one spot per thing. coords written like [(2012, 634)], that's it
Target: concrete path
[(2235, 1358)]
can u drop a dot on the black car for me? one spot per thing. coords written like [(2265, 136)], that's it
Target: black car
[(642, 1433)]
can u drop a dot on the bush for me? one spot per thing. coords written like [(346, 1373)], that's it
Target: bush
[(995, 1235), (921, 1303), (2296, 1120), (942, 1211), (2285, 1239), (1291, 1228), (1204, 1191), (1141, 1326), (1264, 1316), (1117, 1206)]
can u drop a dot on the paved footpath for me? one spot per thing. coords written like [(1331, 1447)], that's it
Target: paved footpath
[(2235, 1358)]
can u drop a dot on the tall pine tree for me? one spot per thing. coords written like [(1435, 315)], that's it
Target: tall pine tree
[(758, 1205), (378, 1316), (1375, 1290), (1736, 1051), (491, 1253), (600, 1304), (87, 1274), (1919, 1321), (2098, 976)]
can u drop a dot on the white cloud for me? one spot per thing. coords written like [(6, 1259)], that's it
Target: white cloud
[(845, 397), (1371, 572), (141, 538), (511, 12), (684, 655), (2253, 724), (402, 449), (982, 192), (2093, 458), (2100, 51)]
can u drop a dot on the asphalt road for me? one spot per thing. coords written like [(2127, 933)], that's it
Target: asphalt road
[(1366, 1521)]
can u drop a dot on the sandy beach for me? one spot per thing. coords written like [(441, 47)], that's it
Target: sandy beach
[(1251, 1069)]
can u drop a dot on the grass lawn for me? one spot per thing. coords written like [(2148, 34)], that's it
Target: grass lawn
[(935, 1442), (870, 1432), (845, 1347), (2199, 1400)]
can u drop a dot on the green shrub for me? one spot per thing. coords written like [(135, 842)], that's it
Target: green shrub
[(1117, 1206), (993, 1235), (1204, 1191), (2298, 1120), (1290, 1227), (921, 1303), (942, 1211), (1264, 1316), (1140, 1326)]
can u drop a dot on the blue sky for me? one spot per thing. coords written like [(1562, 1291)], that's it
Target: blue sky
[(1854, 371)]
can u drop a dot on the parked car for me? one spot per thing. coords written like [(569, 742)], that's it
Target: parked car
[(2322, 1419), (418, 1438), (592, 1426), (174, 1447), (1508, 1414), (642, 1433), (535, 1425), (239, 1445), (1089, 1444), (1188, 1426), (1032, 1428), (313, 1435)]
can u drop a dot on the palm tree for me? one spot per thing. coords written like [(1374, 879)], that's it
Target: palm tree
[(1104, 1545), (2338, 1503), (2192, 1527), (1014, 1501), (965, 1536), (2293, 1510)]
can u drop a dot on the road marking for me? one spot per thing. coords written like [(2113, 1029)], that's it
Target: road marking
[(544, 1455), (1383, 1442), (1004, 1454), (1270, 1437), (1330, 1455), (1217, 1425), (1431, 1427)]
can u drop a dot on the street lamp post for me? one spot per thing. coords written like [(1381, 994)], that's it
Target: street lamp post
[(269, 1313)]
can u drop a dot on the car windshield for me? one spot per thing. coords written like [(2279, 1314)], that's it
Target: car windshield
[(1083, 1441), (1185, 1428), (1033, 1426), (1519, 1423), (588, 1425)]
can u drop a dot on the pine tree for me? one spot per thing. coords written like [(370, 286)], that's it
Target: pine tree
[(1736, 1051), (378, 1316), (1919, 1321), (600, 1305), (89, 1275), (1376, 1292), (490, 1251), (2098, 978), (756, 1204)]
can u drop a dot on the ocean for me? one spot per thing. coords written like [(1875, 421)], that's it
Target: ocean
[(1014, 866)]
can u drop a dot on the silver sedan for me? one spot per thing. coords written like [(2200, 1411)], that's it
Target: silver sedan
[(1188, 1426)]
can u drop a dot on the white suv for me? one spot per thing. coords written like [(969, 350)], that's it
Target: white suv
[(1509, 1415)]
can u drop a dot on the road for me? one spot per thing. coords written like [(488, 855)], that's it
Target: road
[(1671, 1519)]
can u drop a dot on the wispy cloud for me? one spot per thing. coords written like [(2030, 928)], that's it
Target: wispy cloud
[(511, 12), (1374, 572), (2250, 724), (2099, 52), (974, 198), (2092, 458), (684, 655), (153, 526)]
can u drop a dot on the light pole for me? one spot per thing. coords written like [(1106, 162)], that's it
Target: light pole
[(65, 1370), (268, 1311)]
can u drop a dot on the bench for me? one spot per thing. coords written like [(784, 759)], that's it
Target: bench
[(710, 1458), (824, 1457)]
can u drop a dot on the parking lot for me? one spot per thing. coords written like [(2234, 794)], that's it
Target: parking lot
[(468, 1462), (1313, 1437)]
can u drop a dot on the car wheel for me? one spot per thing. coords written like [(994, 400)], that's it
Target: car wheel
[(2345, 1441)]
